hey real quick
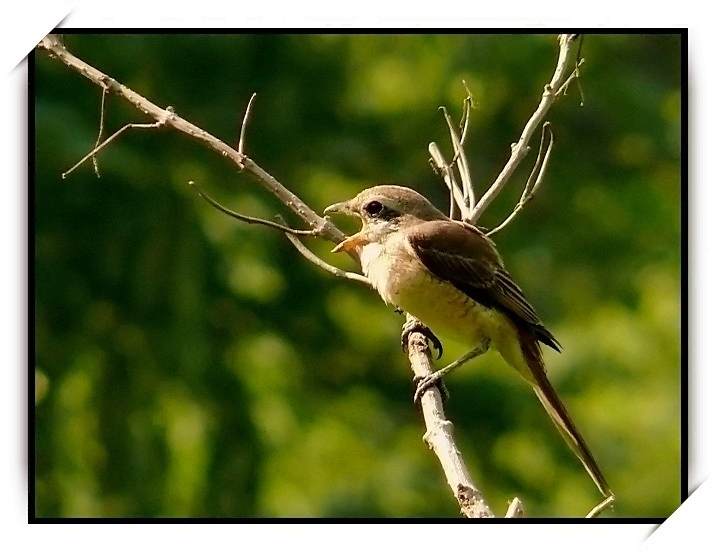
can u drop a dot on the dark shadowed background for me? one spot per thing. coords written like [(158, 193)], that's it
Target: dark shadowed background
[(190, 365)]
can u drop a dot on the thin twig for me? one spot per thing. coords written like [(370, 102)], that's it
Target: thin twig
[(461, 159), (303, 250), (599, 508), (168, 117), (468, 105), (461, 195), (520, 148), (444, 170), (101, 131), (97, 148), (535, 179), (576, 70), (244, 123), (573, 75), (252, 220)]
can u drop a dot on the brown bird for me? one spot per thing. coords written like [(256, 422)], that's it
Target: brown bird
[(449, 276)]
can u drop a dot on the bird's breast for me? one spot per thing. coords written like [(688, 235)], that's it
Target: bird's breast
[(402, 280)]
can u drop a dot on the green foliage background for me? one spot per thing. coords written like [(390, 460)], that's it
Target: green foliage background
[(189, 365)]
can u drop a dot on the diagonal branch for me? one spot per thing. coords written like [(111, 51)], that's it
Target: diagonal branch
[(169, 118), (568, 45), (440, 438), (535, 179), (439, 434), (312, 257)]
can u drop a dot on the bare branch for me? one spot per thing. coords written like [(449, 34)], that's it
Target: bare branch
[(439, 434), (462, 195), (536, 176), (99, 134), (468, 105), (599, 508), (244, 123), (567, 46), (303, 250), (445, 170), (98, 147), (168, 117), (461, 159)]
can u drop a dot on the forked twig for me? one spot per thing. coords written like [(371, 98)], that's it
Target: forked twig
[(98, 147), (315, 259), (166, 116), (574, 75), (291, 233), (443, 169), (536, 176), (520, 148), (460, 159), (462, 193)]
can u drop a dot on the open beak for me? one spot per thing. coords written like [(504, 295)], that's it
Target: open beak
[(342, 207), (352, 242)]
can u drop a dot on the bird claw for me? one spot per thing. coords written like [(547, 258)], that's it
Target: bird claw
[(423, 383), (414, 325)]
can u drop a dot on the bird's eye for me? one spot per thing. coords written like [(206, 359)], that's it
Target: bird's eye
[(373, 208)]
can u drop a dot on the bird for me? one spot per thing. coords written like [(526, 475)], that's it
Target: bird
[(449, 276)]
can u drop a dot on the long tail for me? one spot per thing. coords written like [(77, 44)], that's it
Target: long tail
[(558, 412)]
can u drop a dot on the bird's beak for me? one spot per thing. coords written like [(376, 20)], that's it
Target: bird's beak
[(352, 242), (342, 207)]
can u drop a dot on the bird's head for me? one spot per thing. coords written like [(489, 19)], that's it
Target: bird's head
[(383, 210)]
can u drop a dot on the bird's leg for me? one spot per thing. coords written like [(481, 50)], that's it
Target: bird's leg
[(412, 324), (418, 382), (436, 377)]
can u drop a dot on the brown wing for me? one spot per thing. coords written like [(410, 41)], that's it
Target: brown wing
[(462, 255)]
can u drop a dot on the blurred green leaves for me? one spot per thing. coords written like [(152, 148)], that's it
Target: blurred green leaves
[(189, 365)]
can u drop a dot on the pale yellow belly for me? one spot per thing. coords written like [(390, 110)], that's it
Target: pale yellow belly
[(446, 310), (403, 281)]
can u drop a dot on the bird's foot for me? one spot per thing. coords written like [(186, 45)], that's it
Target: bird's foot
[(426, 382), (414, 325), (423, 383)]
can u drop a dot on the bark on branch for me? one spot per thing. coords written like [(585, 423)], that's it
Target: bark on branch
[(167, 117), (439, 435)]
